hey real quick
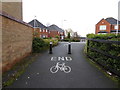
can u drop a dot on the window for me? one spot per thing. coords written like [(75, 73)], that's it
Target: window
[(115, 27), (61, 33), (44, 36), (40, 30), (102, 27)]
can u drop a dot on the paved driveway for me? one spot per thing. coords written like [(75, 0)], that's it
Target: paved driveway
[(82, 74)]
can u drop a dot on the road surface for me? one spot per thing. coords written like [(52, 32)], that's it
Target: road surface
[(82, 74)]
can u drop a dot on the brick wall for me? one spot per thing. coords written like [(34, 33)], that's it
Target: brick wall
[(16, 41), (13, 9), (103, 22), (0, 44), (44, 32), (113, 27), (53, 33)]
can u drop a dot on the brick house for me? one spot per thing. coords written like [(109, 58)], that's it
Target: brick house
[(42, 31), (108, 25), (39, 30), (54, 31)]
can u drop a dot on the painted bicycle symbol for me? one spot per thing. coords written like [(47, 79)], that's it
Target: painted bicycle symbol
[(62, 67)]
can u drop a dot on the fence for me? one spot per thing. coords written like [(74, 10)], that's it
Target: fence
[(103, 57)]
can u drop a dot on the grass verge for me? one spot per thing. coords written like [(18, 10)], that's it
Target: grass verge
[(17, 70), (113, 77)]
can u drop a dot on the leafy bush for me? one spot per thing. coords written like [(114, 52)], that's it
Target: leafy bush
[(75, 40), (67, 39), (111, 49), (39, 44), (104, 36), (71, 40), (54, 41), (58, 37)]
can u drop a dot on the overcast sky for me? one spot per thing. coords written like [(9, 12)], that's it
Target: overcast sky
[(79, 15)]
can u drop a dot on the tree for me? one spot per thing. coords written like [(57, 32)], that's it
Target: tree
[(68, 36)]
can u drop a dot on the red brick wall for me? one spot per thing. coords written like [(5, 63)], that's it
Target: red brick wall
[(44, 32), (103, 22), (113, 27), (37, 32), (53, 33)]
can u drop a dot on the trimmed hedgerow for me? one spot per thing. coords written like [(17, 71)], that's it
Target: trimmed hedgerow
[(111, 49), (40, 44)]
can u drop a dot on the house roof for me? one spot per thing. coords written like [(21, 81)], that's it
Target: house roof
[(112, 20), (55, 27), (36, 23)]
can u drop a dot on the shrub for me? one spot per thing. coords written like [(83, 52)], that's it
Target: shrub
[(111, 49), (67, 39), (58, 37), (38, 44)]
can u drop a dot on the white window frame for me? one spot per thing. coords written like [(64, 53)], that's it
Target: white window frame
[(40, 30), (103, 27), (116, 27), (61, 33)]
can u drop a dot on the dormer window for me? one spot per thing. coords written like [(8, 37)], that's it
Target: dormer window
[(103, 27)]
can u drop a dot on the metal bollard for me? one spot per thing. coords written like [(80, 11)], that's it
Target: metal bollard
[(50, 50), (69, 48)]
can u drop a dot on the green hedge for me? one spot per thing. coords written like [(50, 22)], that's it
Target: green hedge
[(104, 36), (39, 44), (71, 40), (111, 49)]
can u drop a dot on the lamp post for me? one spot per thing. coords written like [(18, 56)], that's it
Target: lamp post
[(34, 26), (118, 18), (62, 37)]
